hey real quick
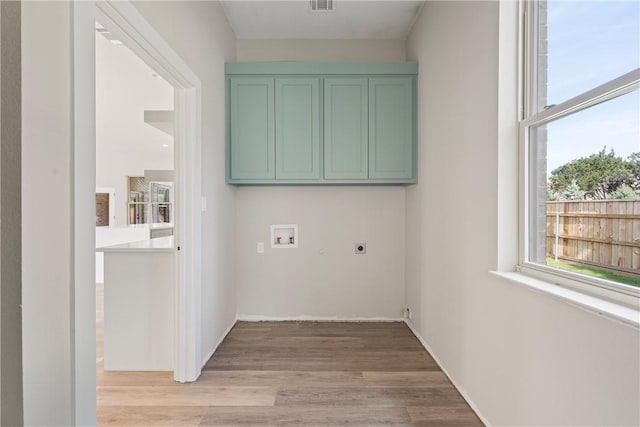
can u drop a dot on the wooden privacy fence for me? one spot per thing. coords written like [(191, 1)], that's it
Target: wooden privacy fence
[(602, 233)]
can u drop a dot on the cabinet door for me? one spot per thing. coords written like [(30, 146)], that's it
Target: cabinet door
[(297, 128), (346, 129), (391, 127), (251, 121)]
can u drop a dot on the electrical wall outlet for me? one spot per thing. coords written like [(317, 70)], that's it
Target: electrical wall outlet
[(260, 247), (407, 313), (360, 248)]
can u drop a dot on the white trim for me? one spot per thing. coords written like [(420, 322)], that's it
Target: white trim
[(215, 347), (141, 38), (189, 241), (508, 115), (617, 87), (124, 20), (462, 391), (618, 292), (83, 292), (307, 318), (523, 195)]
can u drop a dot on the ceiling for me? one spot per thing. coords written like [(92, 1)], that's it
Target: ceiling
[(294, 19)]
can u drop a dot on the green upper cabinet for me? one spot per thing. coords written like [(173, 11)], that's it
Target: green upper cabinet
[(297, 128), (251, 148), (321, 123), (391, 128), (346, 128)]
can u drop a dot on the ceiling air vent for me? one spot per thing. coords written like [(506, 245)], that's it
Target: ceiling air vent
[(321, 5)]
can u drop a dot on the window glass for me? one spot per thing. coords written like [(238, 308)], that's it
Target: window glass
[(583, 44), (583, 183), (610, 127), (585, 191)]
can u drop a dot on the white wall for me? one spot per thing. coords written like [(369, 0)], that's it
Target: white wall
[(200, 34), (59, 386), (323, 277), (338, 283), (46, 233), (125, 144), (521, 357), (321, 50), (58, 216)]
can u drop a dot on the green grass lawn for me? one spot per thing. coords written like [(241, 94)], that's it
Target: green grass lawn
[(595, 272)]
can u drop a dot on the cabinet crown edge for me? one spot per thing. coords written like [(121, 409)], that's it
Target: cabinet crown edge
[(321, 68)]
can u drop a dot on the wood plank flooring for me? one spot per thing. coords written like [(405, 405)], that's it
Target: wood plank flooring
[(294, 374)]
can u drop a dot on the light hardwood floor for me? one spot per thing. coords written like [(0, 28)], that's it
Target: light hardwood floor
[(293, 374)]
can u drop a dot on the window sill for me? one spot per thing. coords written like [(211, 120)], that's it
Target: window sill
[(627, 315)]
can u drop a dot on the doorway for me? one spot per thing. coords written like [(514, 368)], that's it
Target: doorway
[(135, 158), (127, 25), (61, 35)]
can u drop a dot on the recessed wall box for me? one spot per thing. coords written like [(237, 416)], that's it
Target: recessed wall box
[(284, 236), (360, 248)]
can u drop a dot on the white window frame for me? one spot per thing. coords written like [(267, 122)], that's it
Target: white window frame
[(618, 293)]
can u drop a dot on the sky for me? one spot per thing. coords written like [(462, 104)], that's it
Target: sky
[(589, 43)]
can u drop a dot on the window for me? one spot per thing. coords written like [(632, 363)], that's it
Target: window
[(580, 144), (149, 202)]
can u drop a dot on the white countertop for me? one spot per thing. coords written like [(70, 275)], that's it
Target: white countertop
[(161, 244), (153, 226)]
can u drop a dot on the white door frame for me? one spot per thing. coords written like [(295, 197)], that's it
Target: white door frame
[(124, 20)]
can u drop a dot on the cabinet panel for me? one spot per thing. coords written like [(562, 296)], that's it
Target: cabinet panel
[(346, 128), (391, 128), (252, 135), (321, 123), (297, 128)]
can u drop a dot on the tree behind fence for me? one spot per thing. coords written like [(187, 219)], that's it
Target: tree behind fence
[(602, 233)]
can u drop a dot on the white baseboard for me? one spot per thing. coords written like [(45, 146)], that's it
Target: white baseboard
[(304, 318), (460, 390), (206, 359)]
